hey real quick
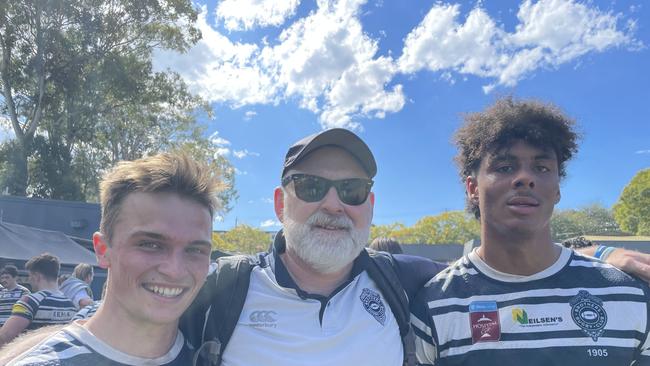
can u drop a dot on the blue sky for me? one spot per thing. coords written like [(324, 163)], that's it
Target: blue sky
[(401, 73)]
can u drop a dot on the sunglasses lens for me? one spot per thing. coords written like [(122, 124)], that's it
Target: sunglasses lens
[(353, 191), (310, 188)]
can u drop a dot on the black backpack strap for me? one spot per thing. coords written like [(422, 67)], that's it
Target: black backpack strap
[(229, 290), (381, 269)]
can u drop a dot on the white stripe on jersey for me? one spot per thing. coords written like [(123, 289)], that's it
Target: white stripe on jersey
[(536, 293), (420, 325), (539, 343)]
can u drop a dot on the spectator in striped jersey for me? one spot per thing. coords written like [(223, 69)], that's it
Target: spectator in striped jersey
[(520, 299), (11, 291), (46, 306), (77, 286), (155, 240)]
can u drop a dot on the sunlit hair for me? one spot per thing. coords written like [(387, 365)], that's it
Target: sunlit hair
[(82, 271), (507, 121), (46, 264), (162, 173), (385, 244)]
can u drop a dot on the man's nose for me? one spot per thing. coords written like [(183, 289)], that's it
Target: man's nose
[(524, 178), (331, 202)]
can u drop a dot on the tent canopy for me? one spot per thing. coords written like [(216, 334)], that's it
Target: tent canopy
[(20, 242)]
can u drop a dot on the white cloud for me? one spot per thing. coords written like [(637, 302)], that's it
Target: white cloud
[(220, 144), (549, 33), (267, 200), (643, 152), (327, 63), (270, 223), (240, 154), (247, 14), (318, 60), (249, 115)]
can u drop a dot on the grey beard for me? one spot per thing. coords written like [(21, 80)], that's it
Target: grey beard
[(325, 252)]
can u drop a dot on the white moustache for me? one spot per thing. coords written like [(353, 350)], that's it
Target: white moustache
[(323, 219)]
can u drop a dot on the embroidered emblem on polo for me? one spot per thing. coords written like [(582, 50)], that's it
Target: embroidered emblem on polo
[(484, 321), (263, 319), (588, 313), (373, 305)]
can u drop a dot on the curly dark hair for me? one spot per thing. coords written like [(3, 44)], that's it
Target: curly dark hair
[(504, 123)]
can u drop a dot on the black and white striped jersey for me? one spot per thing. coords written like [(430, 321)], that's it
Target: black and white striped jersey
[(579, 311), (75, 346), (7, 300), (44, 308)]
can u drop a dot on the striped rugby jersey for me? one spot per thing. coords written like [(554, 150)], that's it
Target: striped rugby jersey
[(7, 300), (76, 346), (43, 308), (579, 311)]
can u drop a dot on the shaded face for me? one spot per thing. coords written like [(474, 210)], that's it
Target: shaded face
[(516, 189), (7, 281), (34, 280), (327, 234), (158, 256)]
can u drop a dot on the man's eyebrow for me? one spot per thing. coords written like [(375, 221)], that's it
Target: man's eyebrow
[(158, 236)]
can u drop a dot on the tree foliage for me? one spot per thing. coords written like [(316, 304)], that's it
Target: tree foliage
[(632, 211), (445, 228), (242, 239), (79, 91), (590, 220)]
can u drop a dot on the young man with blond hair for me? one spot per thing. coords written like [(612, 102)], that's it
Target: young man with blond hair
[(155, 241)]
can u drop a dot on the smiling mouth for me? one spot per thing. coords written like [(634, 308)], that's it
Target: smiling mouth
[(164, 291)]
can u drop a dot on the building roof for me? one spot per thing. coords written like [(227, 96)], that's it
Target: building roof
[(22, 243)]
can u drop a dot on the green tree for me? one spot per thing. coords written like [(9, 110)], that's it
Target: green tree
[(78, 88), (589, 220), (245, 239), (448, 227), (632, 211)]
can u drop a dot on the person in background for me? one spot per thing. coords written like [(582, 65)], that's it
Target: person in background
[(45, 306), (384, 244), (11, 292), (77, 286)]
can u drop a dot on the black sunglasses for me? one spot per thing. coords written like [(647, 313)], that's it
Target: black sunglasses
[(311, 188)]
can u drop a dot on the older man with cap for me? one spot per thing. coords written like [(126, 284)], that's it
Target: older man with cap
[(314, 298)]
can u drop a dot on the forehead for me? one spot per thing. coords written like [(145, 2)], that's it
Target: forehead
[(331, 162), (521, 150), (168, 214)]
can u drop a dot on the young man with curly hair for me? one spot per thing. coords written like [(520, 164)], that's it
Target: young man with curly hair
[(520, 298)]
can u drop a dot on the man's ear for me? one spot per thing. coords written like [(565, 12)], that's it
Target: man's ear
[(559, 197), (471, 187), (372, 199), (101, 250), (278, 203)]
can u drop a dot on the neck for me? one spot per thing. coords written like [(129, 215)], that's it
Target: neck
[(518, 254), (311, 281), (118, 329), (49, 285)]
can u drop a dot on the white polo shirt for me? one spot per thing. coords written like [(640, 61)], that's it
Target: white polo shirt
[(281, 325)]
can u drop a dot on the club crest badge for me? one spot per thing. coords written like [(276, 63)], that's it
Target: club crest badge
[(484, 321), (588, 313), (373, 305)]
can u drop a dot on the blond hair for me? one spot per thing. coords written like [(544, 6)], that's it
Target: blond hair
[(165, 172)]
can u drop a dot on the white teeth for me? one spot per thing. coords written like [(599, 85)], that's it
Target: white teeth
[(165, 291)]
